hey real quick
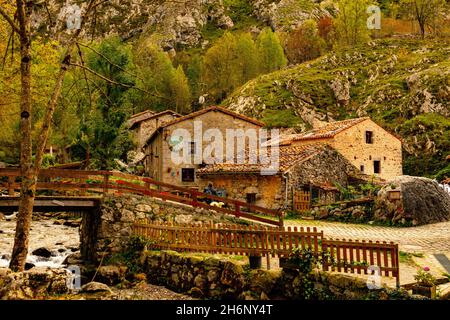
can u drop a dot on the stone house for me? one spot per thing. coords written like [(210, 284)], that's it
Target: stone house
[(366, 145), (306, 174), (143, 124), (158, 162)]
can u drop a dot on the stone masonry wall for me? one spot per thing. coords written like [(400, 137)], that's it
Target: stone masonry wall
[(170, 172), (269, 193), (113, 226), (211, 277), (385, 148)]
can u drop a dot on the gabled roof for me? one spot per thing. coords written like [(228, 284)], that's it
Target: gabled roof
[(203, 111), (328, 130), (147, 115), (209, 109), (288, 157)]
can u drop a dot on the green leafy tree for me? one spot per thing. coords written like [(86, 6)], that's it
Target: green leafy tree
[(108, 136), (219, 67), (155, 73), (270, 51), (181, 93), (247, 63), (351, 22)]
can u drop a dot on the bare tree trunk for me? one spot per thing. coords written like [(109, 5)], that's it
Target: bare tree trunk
[(28, 183), (29, 174)]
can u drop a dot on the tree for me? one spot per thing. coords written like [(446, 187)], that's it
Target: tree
[(427, 13), (168, 86), (247, 63), (219, 67), (29, 173), (325, 27), (304, 43), (351, 22), (270, 51), (181, 92), (108, 136)]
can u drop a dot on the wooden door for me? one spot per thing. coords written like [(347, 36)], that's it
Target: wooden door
[(302, 200)]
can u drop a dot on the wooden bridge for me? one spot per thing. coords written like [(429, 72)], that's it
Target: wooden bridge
[(81, 190)]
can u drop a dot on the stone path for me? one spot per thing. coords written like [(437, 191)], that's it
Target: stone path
[(146, 291), (431, 243), (432, 238)]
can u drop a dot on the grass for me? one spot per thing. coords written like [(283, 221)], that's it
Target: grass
[(407, 257)]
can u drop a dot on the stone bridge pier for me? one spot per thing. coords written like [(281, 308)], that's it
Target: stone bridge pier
[(107, 229)]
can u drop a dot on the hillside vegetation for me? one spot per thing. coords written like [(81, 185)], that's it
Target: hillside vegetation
[(404, 85)]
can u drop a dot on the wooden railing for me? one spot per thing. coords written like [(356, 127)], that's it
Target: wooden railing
[(345, 256), (80, 182), (230, 239)]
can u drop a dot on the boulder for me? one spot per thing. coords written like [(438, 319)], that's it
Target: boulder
[(42, 252), (73, 259), (111, 275), (95, 287), (29, 265), (421, 201), (2, 216)]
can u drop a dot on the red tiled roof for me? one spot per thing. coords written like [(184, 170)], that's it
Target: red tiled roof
[(288, 156), (328, 130), (213, 108), (147, 115)]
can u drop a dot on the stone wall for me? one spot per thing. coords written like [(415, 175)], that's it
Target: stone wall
[(217, 278), (109, 230), (37, 283), (385, 148), (159, 163), (268, 190)]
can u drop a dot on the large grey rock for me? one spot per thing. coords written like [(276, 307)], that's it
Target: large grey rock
[(421, 201)]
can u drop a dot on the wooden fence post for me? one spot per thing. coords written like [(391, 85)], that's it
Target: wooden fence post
[(105, 184), (10, 186), (194, 198), (397, 265), (237, 209)]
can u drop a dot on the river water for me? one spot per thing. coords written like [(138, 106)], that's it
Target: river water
[(60, 240)]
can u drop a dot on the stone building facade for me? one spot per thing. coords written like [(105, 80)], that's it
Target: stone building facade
[(144, 124), (307, 174), (366, 145), (159, 163)]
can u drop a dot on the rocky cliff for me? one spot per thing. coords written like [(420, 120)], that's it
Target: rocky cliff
[(182, 23)]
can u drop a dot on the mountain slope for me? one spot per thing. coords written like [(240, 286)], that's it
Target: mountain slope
[(402, 84)]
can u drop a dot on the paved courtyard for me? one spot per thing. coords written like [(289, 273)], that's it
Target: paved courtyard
[(432, 238), (429, 245)]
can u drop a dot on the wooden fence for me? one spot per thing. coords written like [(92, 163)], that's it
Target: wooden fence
[(354, 256), (345, 256), (231, 239), (81, 182)]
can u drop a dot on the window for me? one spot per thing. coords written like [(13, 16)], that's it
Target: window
[(376, 166), (187, 175), (369, 137), (251, 198), (361, 167)]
